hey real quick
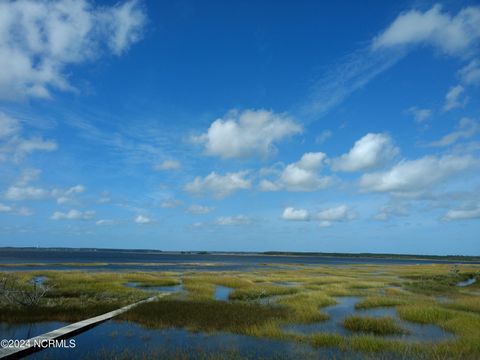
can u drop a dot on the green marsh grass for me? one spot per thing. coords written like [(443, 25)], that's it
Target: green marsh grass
[(465, 303), (204, 315), (77, 295), (373, 325), (305, 307), (379, 301), (257, 291), (425, 313)]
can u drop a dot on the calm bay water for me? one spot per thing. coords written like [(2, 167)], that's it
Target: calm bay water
[(25, 259)]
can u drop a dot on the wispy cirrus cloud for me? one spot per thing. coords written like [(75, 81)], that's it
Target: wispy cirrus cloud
[(196, 209), (15, 210), (420, 114), (233, 220), (168, 165), (348, 75), (466, 129), (452, 34), (14, 146), (455, 98), (73, 214), (470, 73)]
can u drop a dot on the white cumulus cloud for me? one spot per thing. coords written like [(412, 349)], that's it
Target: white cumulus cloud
[(12, 209), (463, 214), (370, 152), (335, 214), (21, 190), (26, 193), (143, 219), (389, 210), (220, 186), (452, 34), (5, 208), (292, 214), (326, 217), (39, 39), (105, 222), (247, 133), (303, 175), (168, 165), (413, 176), (73, 214), (196, 209), (233, 220)]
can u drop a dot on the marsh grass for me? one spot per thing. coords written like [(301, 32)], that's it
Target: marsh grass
[(77, 295), (379, 301), (198, 290), (375, 344), (61, 312), (305, 307), (465, 303), (258, 291), (365, 284), (373, 325), (424, 313), (326, 340), (235, 282), (204, 315)]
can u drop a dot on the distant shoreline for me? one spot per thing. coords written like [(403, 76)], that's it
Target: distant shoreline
[(446, 258)]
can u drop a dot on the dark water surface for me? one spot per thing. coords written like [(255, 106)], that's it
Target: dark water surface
[(120, 339), (27, 331), (31, 259)]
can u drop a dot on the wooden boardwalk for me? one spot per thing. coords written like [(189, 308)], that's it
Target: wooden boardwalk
[(65, 332)]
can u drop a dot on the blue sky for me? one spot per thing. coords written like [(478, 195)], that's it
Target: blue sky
[(247, 126)]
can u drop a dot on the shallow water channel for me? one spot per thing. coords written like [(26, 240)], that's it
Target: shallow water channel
[(221, 292), (346, 306), (467, 282)]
